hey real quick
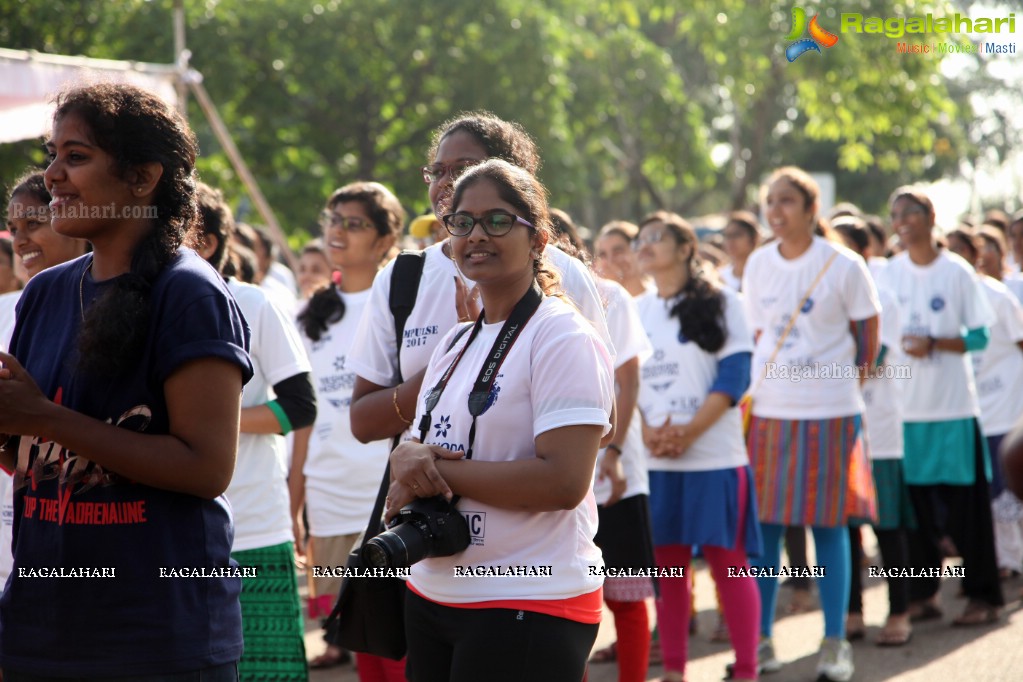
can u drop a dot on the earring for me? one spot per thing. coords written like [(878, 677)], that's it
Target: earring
[(139, 190)]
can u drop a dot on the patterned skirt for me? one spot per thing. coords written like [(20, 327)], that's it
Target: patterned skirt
[(271, 617), (811, 472)]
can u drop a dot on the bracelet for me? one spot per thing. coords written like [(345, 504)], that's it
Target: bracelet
[(615, 447), (397, 410)]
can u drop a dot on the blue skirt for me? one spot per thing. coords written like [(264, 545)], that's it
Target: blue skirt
[(702, 508)]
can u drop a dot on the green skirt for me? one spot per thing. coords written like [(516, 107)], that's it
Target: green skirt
[(271, 617), (894, 508)]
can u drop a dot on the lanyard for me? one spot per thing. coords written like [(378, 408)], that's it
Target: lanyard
[(521, 314)]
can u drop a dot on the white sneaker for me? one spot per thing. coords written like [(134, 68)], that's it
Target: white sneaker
[(835, 663), (767, 662)]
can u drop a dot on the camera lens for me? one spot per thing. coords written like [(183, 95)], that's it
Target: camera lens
[(376, 555)]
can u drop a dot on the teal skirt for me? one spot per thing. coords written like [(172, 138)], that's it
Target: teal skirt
[(943, 452)]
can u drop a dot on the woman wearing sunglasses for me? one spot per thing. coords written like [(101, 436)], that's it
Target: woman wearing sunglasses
[(522, 468)]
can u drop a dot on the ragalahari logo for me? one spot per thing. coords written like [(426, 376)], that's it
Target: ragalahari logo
[(818, 36)]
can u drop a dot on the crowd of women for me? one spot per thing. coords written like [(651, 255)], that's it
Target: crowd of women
[(676, 399)]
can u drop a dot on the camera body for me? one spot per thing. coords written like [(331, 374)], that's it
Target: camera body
[(428, 527)]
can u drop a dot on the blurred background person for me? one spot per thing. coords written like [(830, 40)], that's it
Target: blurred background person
[(278, 400), (334, 477)]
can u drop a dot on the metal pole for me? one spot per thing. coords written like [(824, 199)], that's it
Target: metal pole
[(180, 57), (224, 137)]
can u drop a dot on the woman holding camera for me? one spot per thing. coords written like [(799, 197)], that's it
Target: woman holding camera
[(522, 468)]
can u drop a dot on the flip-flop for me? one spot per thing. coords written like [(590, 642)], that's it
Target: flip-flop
[(977, 613), (925, 611), (893, 638)]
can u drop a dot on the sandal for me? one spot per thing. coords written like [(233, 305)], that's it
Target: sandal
[(331, 658), (608, 654), (977, 613), (855, 630), (895, 633), (925, 610), (802, 602)]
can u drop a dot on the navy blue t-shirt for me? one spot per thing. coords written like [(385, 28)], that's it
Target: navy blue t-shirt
[(70, 513)]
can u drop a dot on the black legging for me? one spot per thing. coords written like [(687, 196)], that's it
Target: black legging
[(964, 513), (447, 644), (894, 547)]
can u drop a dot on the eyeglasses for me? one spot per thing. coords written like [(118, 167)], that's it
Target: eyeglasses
[(330, 219), (648, 238), (913, 210), (494, 224), (435, 171)]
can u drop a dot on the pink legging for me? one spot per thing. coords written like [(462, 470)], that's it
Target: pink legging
[(740, 599)]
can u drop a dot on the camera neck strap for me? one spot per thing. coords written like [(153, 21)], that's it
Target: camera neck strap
[(480, 394)]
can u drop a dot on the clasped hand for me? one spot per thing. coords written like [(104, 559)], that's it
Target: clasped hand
[(414, 474), (667, 440)]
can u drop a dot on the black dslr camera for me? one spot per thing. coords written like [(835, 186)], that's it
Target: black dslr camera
[(428, 527)]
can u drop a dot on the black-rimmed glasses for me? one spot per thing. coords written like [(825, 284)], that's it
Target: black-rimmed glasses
[(494, 224), (435, 171), (330, 219)]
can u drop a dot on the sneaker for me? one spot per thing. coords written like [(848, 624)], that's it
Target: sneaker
[(767, 662), (835, 663)]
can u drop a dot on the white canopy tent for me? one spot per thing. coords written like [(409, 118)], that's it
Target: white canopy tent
[(29, 80)]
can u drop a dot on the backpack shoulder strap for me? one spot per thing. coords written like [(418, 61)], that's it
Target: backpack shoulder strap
[(405, 276)]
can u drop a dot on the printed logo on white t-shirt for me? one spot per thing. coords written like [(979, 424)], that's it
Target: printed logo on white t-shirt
[(937, 303), (477, 522), (419, 336), (807, 306)]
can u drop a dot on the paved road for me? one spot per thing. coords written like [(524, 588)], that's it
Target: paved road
[(937, 653)]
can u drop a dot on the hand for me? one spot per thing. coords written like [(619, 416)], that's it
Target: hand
[(466, 301), (916, 346), (611, 468), (655, 438), (21, 401), (414, 474), (678, 437), (298, 531)]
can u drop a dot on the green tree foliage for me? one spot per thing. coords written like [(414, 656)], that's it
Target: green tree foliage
[(636, 105)]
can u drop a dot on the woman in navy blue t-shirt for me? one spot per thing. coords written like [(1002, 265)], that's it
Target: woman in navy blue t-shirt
[(122, 395)]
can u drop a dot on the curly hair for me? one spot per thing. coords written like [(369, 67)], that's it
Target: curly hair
[(521, 189), (134, 127), (33, 183), (700, 309), (216, 220), (501, 139), (325, 307)]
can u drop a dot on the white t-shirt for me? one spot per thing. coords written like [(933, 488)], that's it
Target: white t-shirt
[(876, 265), (1013, 282), (630, 342), (943, 300), (814, 375), (999, 367), (729, 278), (557, 373), (342, 474), (675, 381), (374, 356), (8, 302), (259, 491), (882, 393)]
